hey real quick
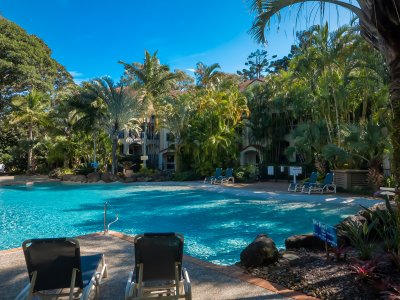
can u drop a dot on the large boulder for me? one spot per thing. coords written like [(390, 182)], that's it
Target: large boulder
[(355, 219), (130, 179), (93, 177), (306, 241), (79, 178), (67, 177), (107, 177), (261, 252), (380, 206)]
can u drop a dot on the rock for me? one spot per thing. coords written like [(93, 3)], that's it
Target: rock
[(291, 258), (107, 177), (79, 178), (261, 252), (358, 219), (130, 179), (144, 179), (67, 177), (55, 173), (374, 208), (93, 177), (306, 241)]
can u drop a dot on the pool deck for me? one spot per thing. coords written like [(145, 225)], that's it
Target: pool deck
[(209, 281)]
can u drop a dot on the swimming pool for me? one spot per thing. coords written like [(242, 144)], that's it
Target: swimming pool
[(216, 226)]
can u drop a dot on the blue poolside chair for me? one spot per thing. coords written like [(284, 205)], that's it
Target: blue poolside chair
[(56, 268), (158, 271), (327, 185), (228, 177), (215, 177), (305, 185)]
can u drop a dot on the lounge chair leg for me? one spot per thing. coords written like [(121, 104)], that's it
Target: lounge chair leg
[(31, 286), (186, 285)]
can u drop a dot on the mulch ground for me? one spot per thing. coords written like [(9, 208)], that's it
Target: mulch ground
[(314, 275)]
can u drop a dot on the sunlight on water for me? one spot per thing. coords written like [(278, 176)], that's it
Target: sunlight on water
[(216, 226)]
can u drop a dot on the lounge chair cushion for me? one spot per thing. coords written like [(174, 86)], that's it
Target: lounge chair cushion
[(89, 264)]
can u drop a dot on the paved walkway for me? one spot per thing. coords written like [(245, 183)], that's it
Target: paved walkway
[(208, 281)]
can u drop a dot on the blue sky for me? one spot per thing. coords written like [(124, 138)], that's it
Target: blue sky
[(89, 37)]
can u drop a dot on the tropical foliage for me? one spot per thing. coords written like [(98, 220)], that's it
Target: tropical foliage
[(379, 26), (325, 101)]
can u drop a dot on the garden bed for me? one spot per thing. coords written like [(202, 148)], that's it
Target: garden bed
[(311, 273)]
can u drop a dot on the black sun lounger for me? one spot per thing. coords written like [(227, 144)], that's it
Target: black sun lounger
[(56, 264), (158, 269)]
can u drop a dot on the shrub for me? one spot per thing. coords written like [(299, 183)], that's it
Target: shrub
[(59, 172), (146, 171), (360, 237), (185, 176), (246, 173), (387, 226), (365, 270)]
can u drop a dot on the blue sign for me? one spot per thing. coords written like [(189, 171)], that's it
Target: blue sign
[(326, 233)]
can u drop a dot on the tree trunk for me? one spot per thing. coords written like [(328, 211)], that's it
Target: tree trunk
[(95, 151), (395, 99), (30, 150), (388, 26), (178, 158), (114, 165)]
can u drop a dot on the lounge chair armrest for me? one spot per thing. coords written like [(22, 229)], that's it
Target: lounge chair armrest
[(128, 287), (187, 284)]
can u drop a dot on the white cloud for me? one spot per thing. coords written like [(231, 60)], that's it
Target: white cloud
[(75, 74), (191, 70), (80, 80)]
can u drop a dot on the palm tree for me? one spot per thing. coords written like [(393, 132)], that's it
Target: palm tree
[(153, 78), (30, 111), (92, 114), (380, 26), (207, 76), (123, 109)]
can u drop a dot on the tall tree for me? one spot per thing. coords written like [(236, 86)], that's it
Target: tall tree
[(123, 109), (26, 63), (380, 26), (30, 111), (258, 65)]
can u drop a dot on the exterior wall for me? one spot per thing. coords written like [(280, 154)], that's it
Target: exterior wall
[(166, 156)]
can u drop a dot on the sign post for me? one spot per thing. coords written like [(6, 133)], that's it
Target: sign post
[(294, 171)]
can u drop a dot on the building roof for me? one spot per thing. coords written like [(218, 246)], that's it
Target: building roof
[(244, 85)]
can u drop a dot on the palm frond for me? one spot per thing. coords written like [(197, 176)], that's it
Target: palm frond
[(266, 9)]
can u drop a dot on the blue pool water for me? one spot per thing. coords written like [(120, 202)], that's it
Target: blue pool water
[(216, 226)]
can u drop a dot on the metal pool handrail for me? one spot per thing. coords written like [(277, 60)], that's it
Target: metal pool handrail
[(107, 226)]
